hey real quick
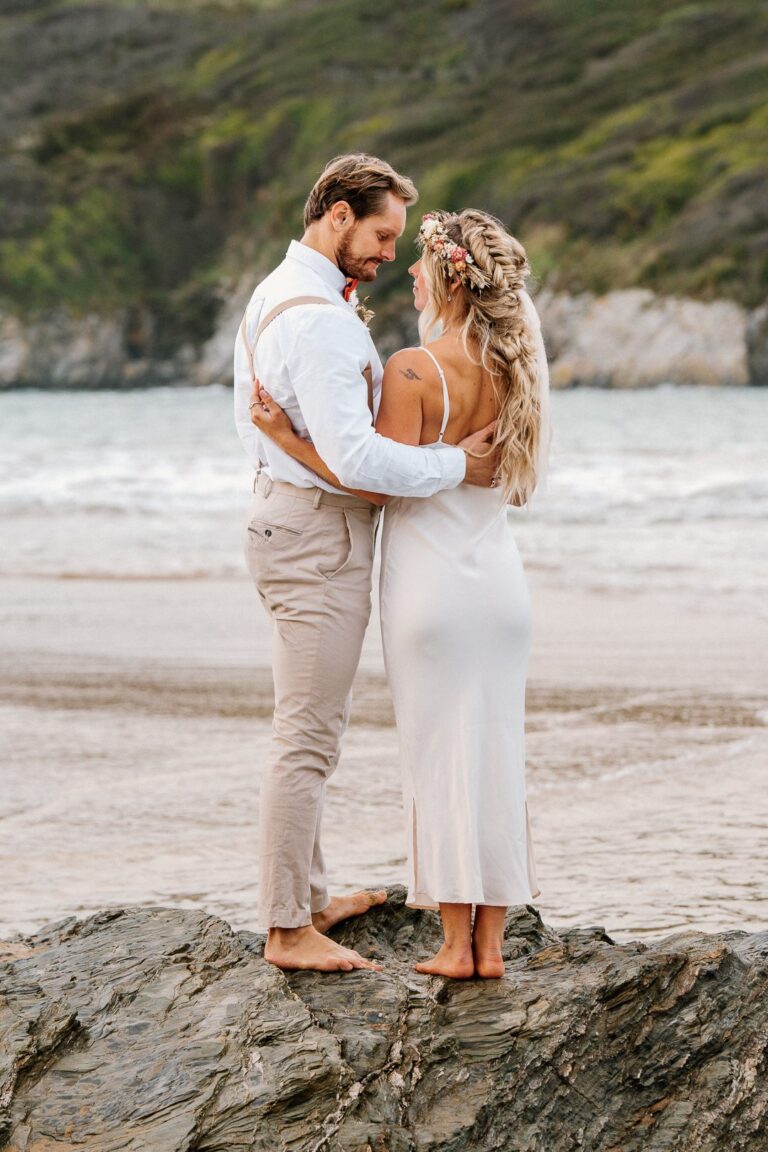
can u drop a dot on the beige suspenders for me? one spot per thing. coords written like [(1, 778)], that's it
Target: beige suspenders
[(273, 315), (294, 302)]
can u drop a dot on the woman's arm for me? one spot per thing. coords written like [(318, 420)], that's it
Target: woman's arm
[(399, 418), (270, 419)]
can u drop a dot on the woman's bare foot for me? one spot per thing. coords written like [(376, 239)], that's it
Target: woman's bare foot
[(301, 949), (489, 963), (345, 907), (487, 937), (454, 962)]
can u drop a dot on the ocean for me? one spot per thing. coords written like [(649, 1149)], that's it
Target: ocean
[(134, 692), (667, 486)]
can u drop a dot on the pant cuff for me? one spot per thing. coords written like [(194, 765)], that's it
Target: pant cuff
[(282, 918)]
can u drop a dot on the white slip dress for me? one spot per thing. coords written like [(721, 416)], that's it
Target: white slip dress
[(456, 629)]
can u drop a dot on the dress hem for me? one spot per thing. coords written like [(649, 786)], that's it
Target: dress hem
[(427, 903)]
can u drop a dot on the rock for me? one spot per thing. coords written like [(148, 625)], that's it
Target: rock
[(628, 339), (214, 365), (159, 1029), (59, 350), (757, 345), (634, 339)]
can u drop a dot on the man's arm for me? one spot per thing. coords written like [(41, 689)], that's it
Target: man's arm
[(249, 435), (325, 355), (269, 418)]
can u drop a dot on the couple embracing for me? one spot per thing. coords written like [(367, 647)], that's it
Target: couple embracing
[(446, 436)]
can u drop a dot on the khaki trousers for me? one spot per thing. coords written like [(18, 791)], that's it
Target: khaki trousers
[(310, 554)]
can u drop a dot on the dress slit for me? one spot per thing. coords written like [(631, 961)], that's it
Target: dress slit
[(414, 846)]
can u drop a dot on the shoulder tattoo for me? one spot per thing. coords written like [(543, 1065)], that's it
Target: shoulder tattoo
[(409, 373)]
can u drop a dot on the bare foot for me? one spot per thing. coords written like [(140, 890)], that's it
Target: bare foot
[(454, 962), (489, 963), (345, 907), (300, 949)]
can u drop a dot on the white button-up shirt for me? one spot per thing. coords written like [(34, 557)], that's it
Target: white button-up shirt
[(311, 359)]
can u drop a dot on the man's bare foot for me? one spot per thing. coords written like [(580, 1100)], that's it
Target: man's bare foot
[(489, 963), (345, 907), (301, 949), (454, 962)]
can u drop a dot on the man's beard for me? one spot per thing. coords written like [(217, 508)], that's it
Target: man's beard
[(356, 267)]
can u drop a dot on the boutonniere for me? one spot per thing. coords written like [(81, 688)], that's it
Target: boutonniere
[(361, 307)]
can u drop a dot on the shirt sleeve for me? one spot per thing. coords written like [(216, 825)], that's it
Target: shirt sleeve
[(326, 353), (250, 436)]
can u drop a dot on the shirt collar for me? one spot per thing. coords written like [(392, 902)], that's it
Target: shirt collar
[(325, 268)]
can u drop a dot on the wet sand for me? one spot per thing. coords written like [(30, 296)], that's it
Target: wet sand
[(135, 714)]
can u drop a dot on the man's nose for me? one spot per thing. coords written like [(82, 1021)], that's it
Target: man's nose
[(388, 251)]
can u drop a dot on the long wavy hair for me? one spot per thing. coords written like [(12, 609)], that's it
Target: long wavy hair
[(499, 330)]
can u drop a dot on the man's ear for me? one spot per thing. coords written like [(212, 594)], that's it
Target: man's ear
[(341, 216)]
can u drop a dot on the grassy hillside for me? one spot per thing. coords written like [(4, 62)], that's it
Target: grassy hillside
[(150, 150)]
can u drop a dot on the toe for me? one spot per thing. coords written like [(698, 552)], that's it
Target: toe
[(363, 962)]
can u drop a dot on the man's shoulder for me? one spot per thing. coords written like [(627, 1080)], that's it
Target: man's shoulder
[(288, 280), (303, 296)]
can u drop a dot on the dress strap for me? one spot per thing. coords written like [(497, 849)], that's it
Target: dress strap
[(446, 401)]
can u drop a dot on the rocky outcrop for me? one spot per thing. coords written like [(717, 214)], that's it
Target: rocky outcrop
[(635, 339), (628, 339), (59, 350), (757, 345), (163, 1030)]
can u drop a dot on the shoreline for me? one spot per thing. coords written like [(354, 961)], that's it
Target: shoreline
[(623, 338), (138, 713)]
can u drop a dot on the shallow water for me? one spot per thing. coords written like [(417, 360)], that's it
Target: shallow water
[(666, 484), (643, 823), (134, 705)]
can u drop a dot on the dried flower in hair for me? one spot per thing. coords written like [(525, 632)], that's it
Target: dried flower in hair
[(458, 261)]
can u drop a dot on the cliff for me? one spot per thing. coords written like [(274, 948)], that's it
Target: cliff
[(623, 339), (154, 152), (163, 1030)]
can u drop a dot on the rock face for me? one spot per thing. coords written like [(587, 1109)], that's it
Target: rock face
[(757, 345), (630, 339), (634, 339), (163, 1030), (63, 351)]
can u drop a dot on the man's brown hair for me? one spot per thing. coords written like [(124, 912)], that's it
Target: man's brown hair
[(360, 180)]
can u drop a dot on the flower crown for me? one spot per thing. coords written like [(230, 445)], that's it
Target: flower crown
[(459, 261)]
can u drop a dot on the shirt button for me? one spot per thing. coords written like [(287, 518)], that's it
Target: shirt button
[(267, 531)]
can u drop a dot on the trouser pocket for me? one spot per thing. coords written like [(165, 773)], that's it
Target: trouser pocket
[(337, 554)]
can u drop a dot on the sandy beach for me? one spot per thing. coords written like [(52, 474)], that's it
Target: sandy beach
[(136, 713)]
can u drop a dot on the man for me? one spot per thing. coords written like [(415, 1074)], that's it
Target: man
[(309, 545)]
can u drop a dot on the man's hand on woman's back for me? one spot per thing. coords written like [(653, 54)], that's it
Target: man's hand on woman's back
[(482, 459)]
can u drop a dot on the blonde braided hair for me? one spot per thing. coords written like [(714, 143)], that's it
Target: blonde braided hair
[(498, 330)]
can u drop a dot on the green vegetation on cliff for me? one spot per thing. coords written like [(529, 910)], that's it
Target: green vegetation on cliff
[(152, 149)]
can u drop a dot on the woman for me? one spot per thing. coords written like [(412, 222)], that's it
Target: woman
[(455, 612)]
